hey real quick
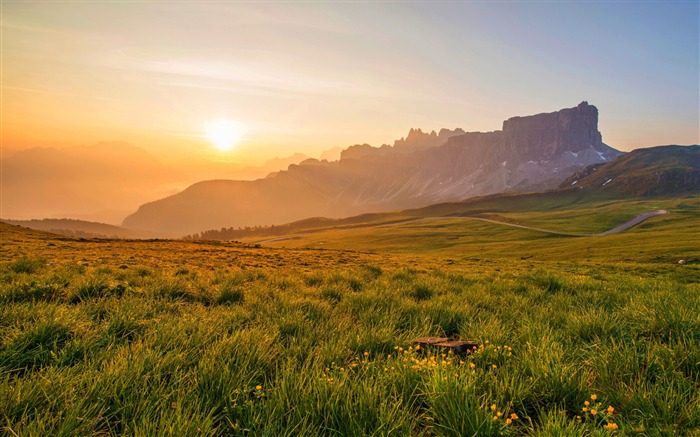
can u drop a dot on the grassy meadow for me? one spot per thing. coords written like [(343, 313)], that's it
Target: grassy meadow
[(578, 335)]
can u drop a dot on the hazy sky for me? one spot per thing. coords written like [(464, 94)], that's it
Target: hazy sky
[(308, 76)]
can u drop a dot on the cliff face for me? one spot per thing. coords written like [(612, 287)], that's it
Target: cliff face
[(545, 136), (530, 153)]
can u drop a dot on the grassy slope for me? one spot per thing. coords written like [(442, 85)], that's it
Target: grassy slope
[(661, 239), (215, 338), (566, 211)]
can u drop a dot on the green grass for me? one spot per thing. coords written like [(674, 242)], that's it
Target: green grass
[(215, 338), (662, 239)]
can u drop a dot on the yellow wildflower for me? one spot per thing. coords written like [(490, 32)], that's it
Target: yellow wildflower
[(258, 387), (366, 354), (493, 407), (594, 412), (594, 397), (611, 426), (508, 421), (586, 403), (611, 409), (514, 416), (472, 365)]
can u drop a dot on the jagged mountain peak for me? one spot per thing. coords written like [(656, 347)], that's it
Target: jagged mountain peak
[(531, 153)]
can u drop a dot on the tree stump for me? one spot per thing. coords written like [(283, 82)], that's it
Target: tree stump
[(458, 347)]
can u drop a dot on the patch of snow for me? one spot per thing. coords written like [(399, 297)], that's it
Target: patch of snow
[(601, 156), (503, 164), (531, 162), (574, 183), (607, 182), (575, 154)]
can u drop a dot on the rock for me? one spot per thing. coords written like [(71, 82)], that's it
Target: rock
[(458, 347), (681, 261), (544, 136), (419, 140), (425, 341)]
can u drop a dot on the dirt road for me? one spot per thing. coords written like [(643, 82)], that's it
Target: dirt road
[(628, 224)]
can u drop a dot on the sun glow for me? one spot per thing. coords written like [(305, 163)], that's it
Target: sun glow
[(223, 134)]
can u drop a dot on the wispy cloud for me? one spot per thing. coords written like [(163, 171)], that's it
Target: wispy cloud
[(54, 93)]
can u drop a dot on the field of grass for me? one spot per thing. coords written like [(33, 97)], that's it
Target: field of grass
[(662, 239), (578, 336)]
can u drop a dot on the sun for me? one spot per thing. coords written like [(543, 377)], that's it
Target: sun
[(223, 134)]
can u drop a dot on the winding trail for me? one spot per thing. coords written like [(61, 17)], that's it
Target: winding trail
[(626, 225), (623, 227)]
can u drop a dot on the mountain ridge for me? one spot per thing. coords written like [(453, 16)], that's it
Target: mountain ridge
[(531, 153), (653, 171)]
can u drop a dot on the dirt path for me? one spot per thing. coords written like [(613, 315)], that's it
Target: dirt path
[(634, 222), (628, 224)]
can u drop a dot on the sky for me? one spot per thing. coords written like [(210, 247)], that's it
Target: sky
[(310, 76)]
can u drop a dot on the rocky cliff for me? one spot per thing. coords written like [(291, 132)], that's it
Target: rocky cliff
[(530, 153)]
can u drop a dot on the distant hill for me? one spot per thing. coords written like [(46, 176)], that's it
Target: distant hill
[(83, 229), (530, 154), (102, 182), (654, 171)]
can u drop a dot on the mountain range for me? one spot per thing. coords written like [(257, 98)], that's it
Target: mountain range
[(106, 181), (530, 153)]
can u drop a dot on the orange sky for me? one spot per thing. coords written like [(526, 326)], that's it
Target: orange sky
[(306, 77)]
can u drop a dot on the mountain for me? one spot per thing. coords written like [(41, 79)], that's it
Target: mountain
[(419, 140), (270, 166), (529, 154), (654, 171), (332, 154), (102, 182)]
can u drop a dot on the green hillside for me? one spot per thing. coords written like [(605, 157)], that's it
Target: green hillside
[(653, 171), (577, 335)]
